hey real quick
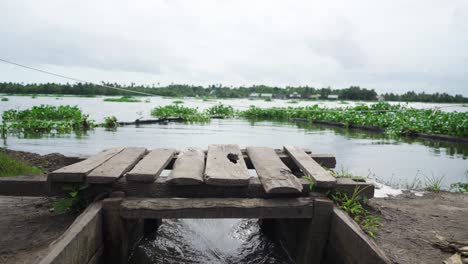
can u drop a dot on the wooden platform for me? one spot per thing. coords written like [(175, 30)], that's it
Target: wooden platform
[(220, 165)]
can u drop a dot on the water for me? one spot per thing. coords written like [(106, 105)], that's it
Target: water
[(209, 241), (399, 162)]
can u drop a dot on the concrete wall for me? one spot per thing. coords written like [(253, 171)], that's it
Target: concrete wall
[(82, 242), (348, 244)]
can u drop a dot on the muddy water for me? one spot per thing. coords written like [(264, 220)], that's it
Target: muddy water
[(397, 162)]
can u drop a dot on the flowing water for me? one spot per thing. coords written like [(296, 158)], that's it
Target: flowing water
[(397, 162)]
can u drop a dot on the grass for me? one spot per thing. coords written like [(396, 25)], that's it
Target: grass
[(434, 184), (13, 167), (354, 205), (344, 173), (123, 99)]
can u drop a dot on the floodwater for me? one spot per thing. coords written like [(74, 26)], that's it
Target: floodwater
[(396, 162)]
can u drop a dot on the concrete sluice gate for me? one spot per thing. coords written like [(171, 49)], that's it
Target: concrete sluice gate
[(132, 197)]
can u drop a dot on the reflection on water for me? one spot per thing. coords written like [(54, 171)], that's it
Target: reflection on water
[(209, 241)]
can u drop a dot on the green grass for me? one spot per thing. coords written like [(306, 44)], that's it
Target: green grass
[(123, 99), (344, 173), (13, 167), (434, 184), (354, 205)]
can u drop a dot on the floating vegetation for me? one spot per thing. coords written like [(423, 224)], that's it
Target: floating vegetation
[(13, 167), (186, 113), (123, 99), (45, 119), (4, 99), (293, 102), (268, 100), (395, 119), (221, 111), (110, 122), (178, 102)]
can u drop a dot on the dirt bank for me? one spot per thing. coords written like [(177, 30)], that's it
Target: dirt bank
[(47, 163), (27, 227), (412, 226)]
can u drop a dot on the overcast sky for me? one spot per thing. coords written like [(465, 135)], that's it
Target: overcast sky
[(396, 45)]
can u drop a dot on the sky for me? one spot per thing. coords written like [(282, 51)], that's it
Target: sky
[(389, 46)]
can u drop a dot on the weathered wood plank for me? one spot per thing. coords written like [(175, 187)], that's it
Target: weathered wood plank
[(217, 208), (77, 172), (188, 168), (149, 168), (225, 166), (310, 167), (274, 175), (116, 166)]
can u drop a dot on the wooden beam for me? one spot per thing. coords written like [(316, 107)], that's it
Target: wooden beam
[(188, 168), (77, 172), (149, 168), (115, 167), (273, 174), (311, 168), (225, 166), (217, 208)]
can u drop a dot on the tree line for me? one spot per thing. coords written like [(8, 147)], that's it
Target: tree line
[(219, 91)]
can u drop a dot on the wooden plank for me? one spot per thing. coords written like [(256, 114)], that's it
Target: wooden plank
[(217, 208), (310, 167), (225, 166), (149, 168), (273, 174), (115, 167), (77, 172), (188, 168)]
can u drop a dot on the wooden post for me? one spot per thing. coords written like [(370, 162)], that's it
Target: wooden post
[(120, 235)]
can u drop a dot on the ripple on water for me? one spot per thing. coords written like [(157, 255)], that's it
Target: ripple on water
[(209, 241)]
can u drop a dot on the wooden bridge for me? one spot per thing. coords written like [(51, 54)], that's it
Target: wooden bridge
[(284, 188)]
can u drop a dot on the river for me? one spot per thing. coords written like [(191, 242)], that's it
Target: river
[(399, 163)]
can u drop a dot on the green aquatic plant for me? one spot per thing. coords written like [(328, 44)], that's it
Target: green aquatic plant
[(268, 100), (293, 102), (178, 102), (123, 99), (110, 122), (186, 113), (354, 205), (47, 118), (221, 110), (398, 120), (4, 99), (13, 167)]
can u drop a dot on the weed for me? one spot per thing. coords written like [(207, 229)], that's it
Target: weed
[(344, 173), (221, 111), (74, 200), (178, 102), (293, 102), (4, 99), (268, 100), (186, 113), (354, 206), (311, 182), (434, 184)]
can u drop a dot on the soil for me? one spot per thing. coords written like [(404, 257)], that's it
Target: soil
[(47, 163), (412, 226), (27, 227)]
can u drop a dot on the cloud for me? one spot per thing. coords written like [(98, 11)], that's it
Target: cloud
[(390, 46)]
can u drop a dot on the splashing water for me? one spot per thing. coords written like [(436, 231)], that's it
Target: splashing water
[(209, 241)]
